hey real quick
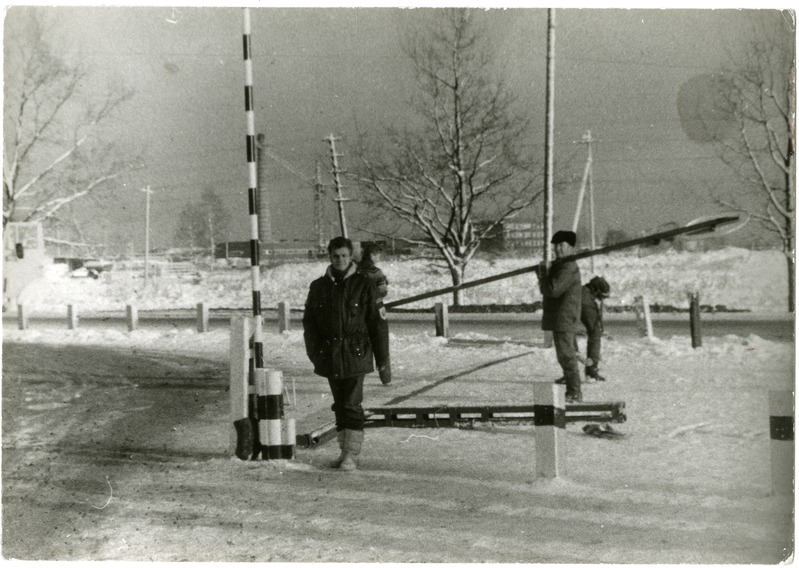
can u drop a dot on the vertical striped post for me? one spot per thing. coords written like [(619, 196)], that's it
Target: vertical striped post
[(252, 167), (22, 317), (72, 316), (283, 316), (132, 316), (781, 426), (549, 410), (202, 318), (442, 319), (269, 386)]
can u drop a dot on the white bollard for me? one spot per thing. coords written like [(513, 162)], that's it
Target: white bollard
[(283, 316), (549, 410), (781, 426), (442, 319), (72, 317), (132, 314), (22, 317), (202, 318), (239, 374)]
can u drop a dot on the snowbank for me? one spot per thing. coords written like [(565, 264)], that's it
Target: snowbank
[(735, 278)]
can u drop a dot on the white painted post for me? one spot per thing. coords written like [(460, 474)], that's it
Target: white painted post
[(274, 416), (643, 317), (72, 316), (549, 408), (442, 319), (283, 316), (22, 317), (239, 373), (781, 426), (202, 318), (132, 314)]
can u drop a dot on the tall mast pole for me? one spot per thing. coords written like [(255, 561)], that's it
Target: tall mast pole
[(550, 141)]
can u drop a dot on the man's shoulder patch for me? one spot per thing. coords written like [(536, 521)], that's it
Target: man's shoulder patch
[(382, 312)]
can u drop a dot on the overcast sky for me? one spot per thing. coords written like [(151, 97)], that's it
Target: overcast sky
[(318, 71)]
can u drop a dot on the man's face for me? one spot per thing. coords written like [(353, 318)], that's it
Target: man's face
[(340, 258), (562, 249)]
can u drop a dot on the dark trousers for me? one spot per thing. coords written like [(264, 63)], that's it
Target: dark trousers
[(566, 350), (347, 399), (592, 351)]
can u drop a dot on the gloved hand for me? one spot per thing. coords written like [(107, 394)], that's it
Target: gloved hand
[(385, 374)]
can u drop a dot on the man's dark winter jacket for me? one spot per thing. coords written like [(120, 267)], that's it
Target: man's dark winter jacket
[(562, 297), (589, 313), (345, 323)]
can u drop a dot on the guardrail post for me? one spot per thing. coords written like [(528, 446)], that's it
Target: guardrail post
[(283, 316), (22, 317), (643, 317), (781, 426), (72, 317), (202, 318), (549, 417), (696, 322), (132, 316), (442, 319)]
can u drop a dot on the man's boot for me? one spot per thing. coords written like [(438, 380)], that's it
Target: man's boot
[(341, 436), (352, 448)]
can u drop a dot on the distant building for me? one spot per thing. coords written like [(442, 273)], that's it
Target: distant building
[(507, 236), (280, 250)]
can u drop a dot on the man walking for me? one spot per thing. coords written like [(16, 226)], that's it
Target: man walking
[(561, 289), (594, 293), (344, 328)]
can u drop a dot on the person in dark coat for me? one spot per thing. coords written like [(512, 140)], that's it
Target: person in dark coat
[(344, 329), (370, 255), (561, 288), (594, 293)]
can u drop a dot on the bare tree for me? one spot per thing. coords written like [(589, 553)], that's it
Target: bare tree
[(203, 222), (54, 153), (751, 120), (456, 171)]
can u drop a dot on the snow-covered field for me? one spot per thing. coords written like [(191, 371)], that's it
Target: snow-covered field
[(115, 443), (735, 278)]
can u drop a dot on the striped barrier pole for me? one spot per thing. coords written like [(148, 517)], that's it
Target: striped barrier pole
[(252, 167), (265, 405), (781, 426), (549, 417)]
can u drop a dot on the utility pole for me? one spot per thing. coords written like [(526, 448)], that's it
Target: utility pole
[(588, 180), (336, 178), (147, 193), (318, 210), (264, 218), (550, 139)]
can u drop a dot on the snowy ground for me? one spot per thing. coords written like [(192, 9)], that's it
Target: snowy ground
[(115, 447)]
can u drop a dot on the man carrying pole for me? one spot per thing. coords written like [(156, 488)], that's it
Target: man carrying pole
[(562, 291)]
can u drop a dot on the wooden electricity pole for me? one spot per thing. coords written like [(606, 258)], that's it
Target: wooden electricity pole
[(588, 181), (264, 219), (147, 193), (337, 180), (319, 210)]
